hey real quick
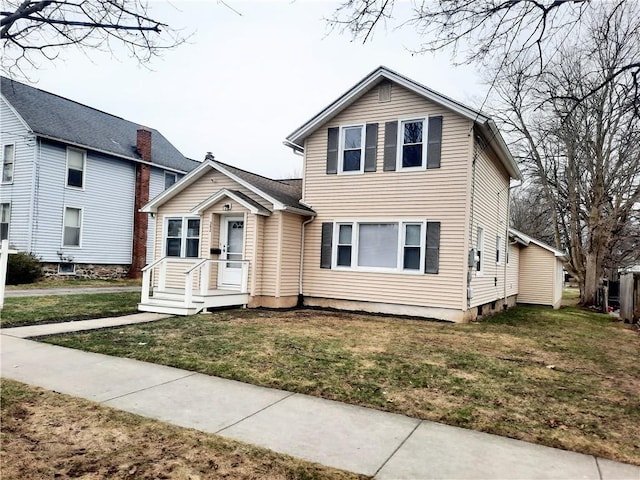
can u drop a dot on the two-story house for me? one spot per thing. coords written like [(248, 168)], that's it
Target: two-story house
[(402, 209), (73, 180)]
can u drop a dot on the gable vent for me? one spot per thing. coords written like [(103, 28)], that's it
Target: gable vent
[(384, 92)]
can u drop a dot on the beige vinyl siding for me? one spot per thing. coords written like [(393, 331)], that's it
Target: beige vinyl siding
[(537, 274), (181, 205), (489, 211), (434, 195), (513, 268), (290, 254), (270, 254)]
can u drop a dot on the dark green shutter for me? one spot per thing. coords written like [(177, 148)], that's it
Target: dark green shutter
[(332, 150), (432, 255), (390, 146), (371, 148), (434, 146), (326, 245)]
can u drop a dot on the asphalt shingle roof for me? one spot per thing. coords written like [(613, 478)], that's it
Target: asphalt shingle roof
[(53, 116), (289, 192)]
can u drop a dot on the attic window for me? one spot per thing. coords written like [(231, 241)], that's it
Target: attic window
[(384, 92)]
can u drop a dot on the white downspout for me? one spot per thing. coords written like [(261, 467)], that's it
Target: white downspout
[(302, 254)]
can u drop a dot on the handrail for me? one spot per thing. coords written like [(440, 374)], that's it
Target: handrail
[(153, 264), (197, 265)]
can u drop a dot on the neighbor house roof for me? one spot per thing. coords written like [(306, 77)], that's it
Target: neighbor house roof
[(57, 118), (525, 240), (485, 124), (283, 194)]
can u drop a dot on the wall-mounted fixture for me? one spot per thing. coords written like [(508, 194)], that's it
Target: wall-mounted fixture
[(226, 207)]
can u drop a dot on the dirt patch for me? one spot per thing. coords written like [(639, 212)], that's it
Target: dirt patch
[(48, 435)]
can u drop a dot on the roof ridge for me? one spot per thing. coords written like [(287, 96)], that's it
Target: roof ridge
[(74, 101), (250, 173)]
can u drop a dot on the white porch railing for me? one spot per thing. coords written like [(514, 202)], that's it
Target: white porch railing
[(196, 266)]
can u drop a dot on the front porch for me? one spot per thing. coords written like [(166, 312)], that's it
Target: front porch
[(186, 286)]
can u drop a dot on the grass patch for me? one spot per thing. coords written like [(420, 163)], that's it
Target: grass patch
[(76, 283), (20, 311), (49, 435), (565, 378)]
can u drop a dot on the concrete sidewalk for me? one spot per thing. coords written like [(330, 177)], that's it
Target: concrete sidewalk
[(362, 440), (38, 292)]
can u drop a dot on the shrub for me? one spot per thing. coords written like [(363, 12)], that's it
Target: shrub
[(23, 267)]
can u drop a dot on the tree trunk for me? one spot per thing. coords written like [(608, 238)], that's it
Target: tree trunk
[(590, 279)]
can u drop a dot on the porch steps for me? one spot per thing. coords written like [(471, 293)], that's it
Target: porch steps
[(171, 301)]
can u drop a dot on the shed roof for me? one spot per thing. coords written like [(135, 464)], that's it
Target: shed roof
[(58, 118)]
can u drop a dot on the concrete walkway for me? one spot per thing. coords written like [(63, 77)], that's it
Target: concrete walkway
[(362, 440), (38, 292)]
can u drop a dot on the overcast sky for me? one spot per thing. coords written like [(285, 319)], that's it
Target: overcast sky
[(243, 83)]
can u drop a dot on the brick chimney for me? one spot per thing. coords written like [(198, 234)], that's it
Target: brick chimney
[(141, 220)]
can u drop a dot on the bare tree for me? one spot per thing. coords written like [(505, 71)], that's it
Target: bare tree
[(584, 156), (529, 214), (490, 31), (33, 31)]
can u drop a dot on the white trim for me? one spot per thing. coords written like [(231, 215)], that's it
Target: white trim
[(400, 142), (526, 239), (499, 252), (341, 149), (481, 254), (106, 152), (64, 218), (277, 205), (67, 273), (296, 138), (183, 236), (84, 168), (15, 112), (355, 245), (9, 222), (202, 206), (13, 164)]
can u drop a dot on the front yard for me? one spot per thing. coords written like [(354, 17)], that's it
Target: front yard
[(48, 435), (19, 311), (567, 378)]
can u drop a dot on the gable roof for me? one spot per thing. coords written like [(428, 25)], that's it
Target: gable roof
[(526, 240), (486, 125), (57, 118), (244, 200), (283, 194)]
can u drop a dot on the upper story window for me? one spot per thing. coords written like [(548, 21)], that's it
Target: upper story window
[(5, 219), (182, 237), (8, 159), (76, 166), (479, 250), (72, 227), (352, 149), (412, 151), (169, 179)]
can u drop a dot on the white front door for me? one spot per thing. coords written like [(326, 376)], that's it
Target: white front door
[(232, 245)]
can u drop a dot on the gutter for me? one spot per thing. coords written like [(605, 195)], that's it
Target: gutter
[(93, 149), (297, 149)]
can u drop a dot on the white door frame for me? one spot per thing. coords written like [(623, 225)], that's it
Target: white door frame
[(230, 274)]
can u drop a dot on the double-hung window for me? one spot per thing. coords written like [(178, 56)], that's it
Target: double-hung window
[(76, 165), (479, 250), (182, 237), (376, 246), (412, 151), (5, 220), (352, 149), (498, 250), (72, 227), (8, 159)]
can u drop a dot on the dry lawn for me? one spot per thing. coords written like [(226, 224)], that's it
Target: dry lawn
[(49, 435), (567, 378)]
